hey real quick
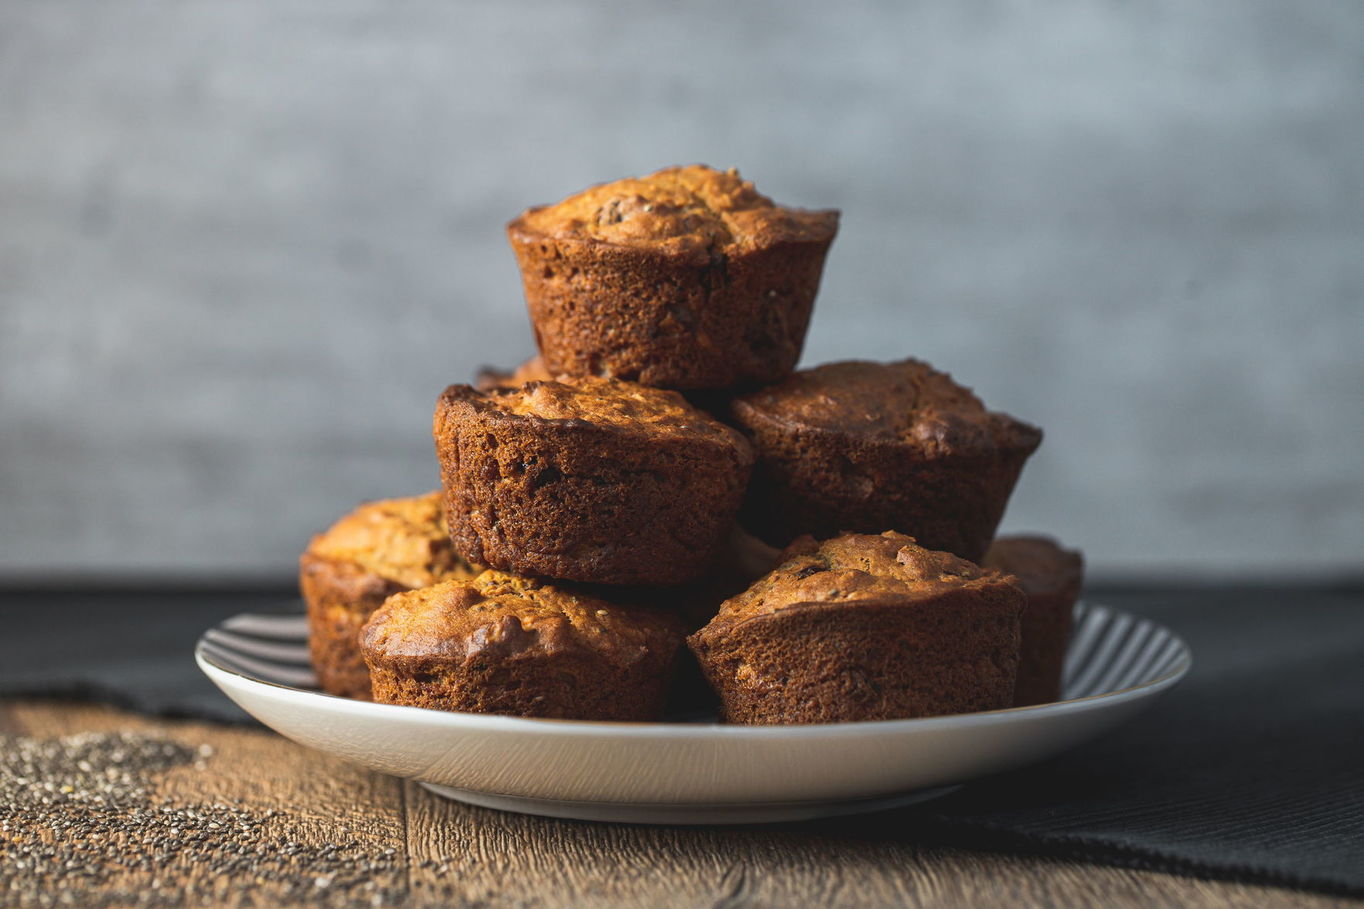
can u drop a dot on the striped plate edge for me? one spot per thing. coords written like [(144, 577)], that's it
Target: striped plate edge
[(1109, 651)]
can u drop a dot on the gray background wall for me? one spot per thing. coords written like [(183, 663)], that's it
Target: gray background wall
[(243, 245)]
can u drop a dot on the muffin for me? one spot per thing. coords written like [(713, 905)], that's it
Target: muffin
[(504, 644), (865, 447), (864, 628), (595, 480), (532, 370), (686, 279), (379, 549), (1050, 577)]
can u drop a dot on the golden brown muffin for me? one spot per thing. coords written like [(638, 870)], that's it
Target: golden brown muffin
[(532, 370), (687, 279), (346, 573), (600, 481), (1050, 576), (499, 643), (866, 447), (864, 628)]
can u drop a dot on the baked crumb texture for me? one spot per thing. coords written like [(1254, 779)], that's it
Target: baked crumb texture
[(864, 627), (1050, 576), (379, 549), (866, 447), (588, 480), (687, 278), (503, 644)]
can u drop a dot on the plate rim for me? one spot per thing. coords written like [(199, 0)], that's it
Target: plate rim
[(482, 722)]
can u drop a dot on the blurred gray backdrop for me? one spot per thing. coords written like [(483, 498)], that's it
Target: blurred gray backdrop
[(243, 246)]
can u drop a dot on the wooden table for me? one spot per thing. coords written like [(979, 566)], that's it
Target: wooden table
[(426, 851)]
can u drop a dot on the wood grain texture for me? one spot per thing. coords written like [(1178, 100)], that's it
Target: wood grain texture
[(426, 851)]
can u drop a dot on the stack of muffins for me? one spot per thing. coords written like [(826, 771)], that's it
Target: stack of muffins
[(660, 491)]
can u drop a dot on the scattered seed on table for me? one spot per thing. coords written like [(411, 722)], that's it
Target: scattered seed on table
[(78, 827)]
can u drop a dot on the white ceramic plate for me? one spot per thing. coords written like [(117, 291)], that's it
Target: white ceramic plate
[(691, 772)]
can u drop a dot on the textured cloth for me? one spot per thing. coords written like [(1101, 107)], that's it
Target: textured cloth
[(1252, 769)]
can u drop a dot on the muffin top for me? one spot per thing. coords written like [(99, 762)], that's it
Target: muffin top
[(403, 540), (503, 615), (856, 570), (680, 210), (1039, 564), (606, 403), (908, 402), (532, 370)]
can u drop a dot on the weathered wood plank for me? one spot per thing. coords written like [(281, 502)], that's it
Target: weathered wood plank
[(296, 827), (462, 853)]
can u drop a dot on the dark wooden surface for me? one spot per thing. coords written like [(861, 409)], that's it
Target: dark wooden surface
[(327, 833)]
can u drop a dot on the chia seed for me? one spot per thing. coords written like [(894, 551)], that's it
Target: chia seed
[(79, 827)]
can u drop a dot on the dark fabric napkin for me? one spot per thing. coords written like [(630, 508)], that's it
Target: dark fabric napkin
[(1252, 769)]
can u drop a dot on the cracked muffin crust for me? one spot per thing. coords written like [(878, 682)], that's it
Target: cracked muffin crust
[(504, 644), (864, 628), (588, 480), (1050, 577), (866, 447), (687, 279), (347, 572)]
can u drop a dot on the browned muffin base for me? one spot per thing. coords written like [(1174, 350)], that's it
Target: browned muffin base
[(669, 321), (519, 646), (340, 597), (640, 531), (560, 687), (863, 447), (1050, 577), (573, 500), (823, 484), (1045, 635), (837, 665)]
